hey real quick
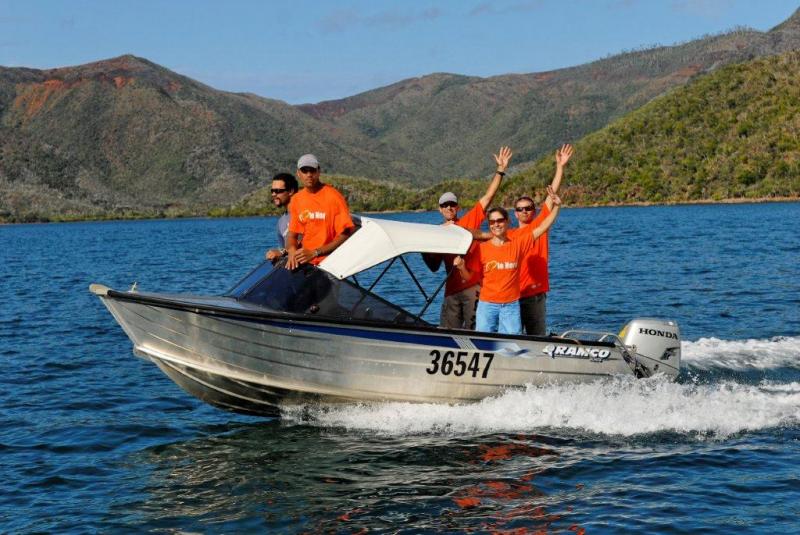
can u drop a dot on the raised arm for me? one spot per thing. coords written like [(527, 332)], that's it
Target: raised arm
[(547, 222), (502, 158), (479, 235), (562, 157)]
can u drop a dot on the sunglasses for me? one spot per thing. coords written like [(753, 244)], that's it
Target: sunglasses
[(276, 191), (497, 221), (448, 204), (527, 208), (308, 170)]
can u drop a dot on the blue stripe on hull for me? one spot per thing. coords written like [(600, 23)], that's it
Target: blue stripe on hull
[(486, 345), (383, 336)]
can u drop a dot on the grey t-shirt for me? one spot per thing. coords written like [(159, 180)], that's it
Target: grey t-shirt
[(282, 229)]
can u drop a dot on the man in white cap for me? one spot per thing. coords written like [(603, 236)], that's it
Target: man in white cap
[(461, 292), (318, 212)]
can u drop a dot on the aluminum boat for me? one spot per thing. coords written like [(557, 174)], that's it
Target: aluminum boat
[(320, 335)]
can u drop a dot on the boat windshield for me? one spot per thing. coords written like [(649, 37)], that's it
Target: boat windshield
[(247, 283), (309, 290)]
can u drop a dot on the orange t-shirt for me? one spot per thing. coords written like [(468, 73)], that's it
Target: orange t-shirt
[(501, 265), (472, 260), (319, 217), (533, 274)]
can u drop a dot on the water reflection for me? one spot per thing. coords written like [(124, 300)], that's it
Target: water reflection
[(302, 478)]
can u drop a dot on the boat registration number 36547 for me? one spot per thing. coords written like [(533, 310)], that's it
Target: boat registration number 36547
[(459, 363)]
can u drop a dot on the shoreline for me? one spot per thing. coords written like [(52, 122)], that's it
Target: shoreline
[(735, 200)]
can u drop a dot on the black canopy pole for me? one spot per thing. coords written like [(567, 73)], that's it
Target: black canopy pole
[(382, 274), (433, 296), (421, 289), (369, 290)]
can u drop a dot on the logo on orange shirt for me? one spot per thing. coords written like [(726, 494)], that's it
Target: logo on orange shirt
[(491, 265), (307, 215)]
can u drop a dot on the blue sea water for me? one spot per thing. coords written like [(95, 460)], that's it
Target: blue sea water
[(94, 439)]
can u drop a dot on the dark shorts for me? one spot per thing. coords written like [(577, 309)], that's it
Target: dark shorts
[(534, 311), (458, 309)]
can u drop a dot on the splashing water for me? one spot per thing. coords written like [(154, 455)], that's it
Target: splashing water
[(772, 353), (619, 406)]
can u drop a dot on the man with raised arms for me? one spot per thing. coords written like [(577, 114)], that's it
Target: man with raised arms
[(533, 272), (461, 293), (318, 212)]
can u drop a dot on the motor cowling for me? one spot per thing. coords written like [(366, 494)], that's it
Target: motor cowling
[(655, 344)]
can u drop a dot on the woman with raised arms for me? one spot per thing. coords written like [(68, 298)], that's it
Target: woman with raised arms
[(501, 254)]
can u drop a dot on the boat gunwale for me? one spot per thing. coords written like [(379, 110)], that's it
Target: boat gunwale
[(265, 313)]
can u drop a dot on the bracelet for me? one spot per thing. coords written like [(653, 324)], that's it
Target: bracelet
[(317, 252), (501, 173)]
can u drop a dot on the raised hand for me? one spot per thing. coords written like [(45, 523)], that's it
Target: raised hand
[(553, 196), (502, 159), (564, 154)]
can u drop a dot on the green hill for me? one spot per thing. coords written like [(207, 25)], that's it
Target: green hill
[(731, 134), (126, 136)]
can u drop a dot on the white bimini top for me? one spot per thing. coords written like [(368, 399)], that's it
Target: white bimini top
[(379, 240)]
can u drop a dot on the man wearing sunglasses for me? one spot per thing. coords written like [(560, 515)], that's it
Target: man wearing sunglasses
[(534, 278), (318, 212), (463, 283), (284, 186)]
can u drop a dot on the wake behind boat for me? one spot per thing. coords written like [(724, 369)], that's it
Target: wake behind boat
[(316, 335)]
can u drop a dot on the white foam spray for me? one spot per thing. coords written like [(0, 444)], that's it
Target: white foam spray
[(620, 406), (772, 353)]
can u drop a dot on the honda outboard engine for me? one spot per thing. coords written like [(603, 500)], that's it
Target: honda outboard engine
[(655, 344)]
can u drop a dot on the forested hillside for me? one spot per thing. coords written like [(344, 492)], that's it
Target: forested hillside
[(732, 134)]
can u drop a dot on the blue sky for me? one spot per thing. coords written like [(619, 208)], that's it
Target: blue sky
[(308, 51)]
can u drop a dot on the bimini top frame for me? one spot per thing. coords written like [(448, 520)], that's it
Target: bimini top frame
[(379, 240)]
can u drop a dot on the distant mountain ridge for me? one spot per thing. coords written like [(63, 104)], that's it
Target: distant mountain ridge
[(730, 134), (465, 117), (126, 136)]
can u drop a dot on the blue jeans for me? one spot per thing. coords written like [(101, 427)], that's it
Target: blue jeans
[(498, 318)]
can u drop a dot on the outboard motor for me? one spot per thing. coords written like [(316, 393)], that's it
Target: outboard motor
[(655, 344)]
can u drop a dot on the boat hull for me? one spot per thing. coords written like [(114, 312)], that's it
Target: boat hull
[(257, 363)]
